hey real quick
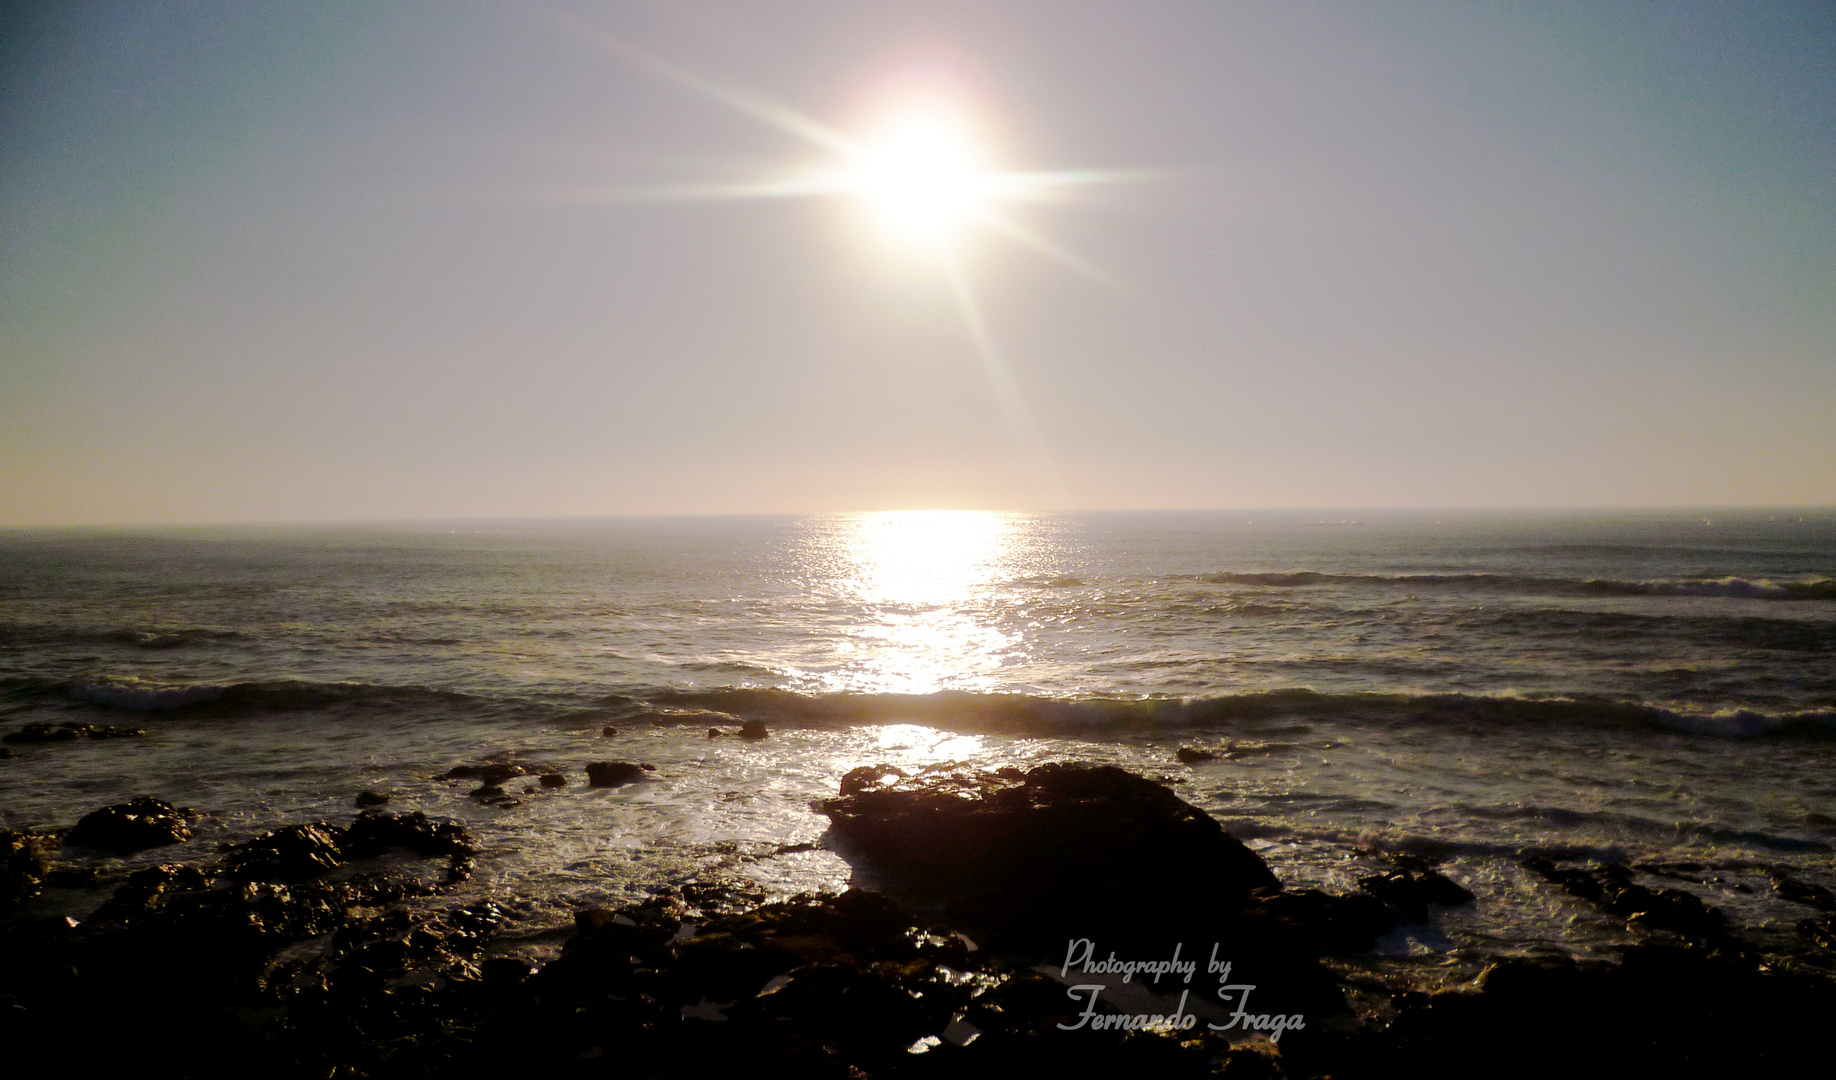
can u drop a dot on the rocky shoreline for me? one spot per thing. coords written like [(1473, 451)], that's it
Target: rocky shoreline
[(298, 953)]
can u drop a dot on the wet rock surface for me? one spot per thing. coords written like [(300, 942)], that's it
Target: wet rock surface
[(1054, 851), (1611, 886), (1412, 885), (616, 773), (287, 956), (132, 826)]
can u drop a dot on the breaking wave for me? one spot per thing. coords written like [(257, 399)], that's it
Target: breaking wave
[(1810, 588), (1024, 713), (137, 694), (1263, 713)]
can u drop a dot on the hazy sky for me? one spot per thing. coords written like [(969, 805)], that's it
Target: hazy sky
[(271, 261)]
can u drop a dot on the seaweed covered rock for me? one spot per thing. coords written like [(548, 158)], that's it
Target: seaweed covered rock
[(132, 826), (1061, 849)]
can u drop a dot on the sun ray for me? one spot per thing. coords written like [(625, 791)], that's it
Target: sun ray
[(792, 188), (757, 106), (924, 181), (1020, 424), (1026, 237)]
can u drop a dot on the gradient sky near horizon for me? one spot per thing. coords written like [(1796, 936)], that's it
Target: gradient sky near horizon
[(341, 260)]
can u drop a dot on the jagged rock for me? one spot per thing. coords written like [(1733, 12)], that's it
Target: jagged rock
[(132, 826), (294, 853), (615, 773), (1611, 887), (150, 890), (1319, 923), (1803, 892), (376, 831), (25, 859), (1061, 850), (1412, 885), (865, 777)]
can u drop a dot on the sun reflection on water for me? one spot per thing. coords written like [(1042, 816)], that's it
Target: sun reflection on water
[(919, 584)]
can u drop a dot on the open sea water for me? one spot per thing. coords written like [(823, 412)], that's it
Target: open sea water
[(1654, 689)]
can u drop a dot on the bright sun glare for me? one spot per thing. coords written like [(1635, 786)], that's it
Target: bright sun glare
[(922, 180)]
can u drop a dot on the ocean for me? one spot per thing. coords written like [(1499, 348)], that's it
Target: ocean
[(1655, 689)]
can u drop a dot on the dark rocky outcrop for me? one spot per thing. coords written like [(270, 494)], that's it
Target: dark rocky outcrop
[(1612, 887), (1412, 885), (302, 852), (616, 773), (1661, 1011), (294, 853), (132, 826), (374, 832), (1059, 850), (225, 976), (754, 729), (366, 799), (1191, 755), (553, 780)]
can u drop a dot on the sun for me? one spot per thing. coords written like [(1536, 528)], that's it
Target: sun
[(922, 179)]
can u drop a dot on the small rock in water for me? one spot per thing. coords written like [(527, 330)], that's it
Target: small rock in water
[(132, 826), (488, 774), (715, 733), (609, 731), (488, 791), (753, 729), (1192, 754), (615, 773), (1412, 886), (553, 780), (371, 798)]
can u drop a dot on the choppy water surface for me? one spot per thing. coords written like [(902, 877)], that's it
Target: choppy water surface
[(1654, 689)]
